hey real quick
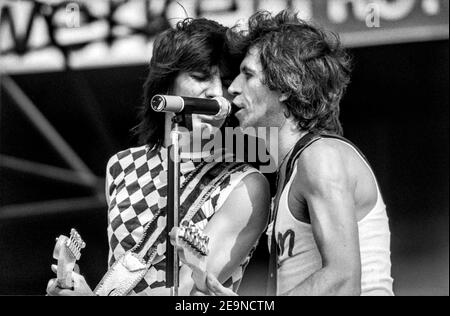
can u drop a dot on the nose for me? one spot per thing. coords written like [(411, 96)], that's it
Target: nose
[(214, 88), (235, 88)]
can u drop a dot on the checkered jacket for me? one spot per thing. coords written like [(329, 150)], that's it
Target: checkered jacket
[(136, 185)]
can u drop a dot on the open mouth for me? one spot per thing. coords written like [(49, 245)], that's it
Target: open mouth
[(239, 112), (235, 110)]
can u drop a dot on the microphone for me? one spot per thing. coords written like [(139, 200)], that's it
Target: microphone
[(219, 107)]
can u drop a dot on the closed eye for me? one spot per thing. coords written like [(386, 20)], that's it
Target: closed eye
[(200, 76), (247, 74)]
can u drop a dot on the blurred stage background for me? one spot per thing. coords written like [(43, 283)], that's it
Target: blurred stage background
[(71, 86)]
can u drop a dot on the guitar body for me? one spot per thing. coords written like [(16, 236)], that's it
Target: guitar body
[(67, 251)]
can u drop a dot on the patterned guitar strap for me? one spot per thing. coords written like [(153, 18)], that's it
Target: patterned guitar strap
[(301, 145), (131, 268)]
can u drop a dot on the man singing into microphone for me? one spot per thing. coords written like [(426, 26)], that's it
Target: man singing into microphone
[(189, 61), (330, 230)]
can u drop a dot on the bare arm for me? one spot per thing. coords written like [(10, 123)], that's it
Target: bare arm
[(328, 189), (233, 231), (237, 226)]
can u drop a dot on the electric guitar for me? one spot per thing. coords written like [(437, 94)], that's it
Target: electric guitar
[(67, 251), (192, 246)]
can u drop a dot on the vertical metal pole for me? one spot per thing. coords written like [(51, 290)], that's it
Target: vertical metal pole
[(176, 186), (1, 77), (173, 198)]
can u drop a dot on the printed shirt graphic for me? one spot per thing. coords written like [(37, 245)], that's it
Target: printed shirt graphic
[(286, 243)]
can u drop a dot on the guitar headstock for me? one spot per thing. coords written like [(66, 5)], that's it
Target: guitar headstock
[(192, 245), (74, 244), (194, 237), (67, 251)]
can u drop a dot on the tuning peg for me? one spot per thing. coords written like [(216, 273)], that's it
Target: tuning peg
[(184, 234), (188, 235), (196, 241), (199, 245)]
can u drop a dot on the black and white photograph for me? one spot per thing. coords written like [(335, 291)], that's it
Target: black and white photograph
[(247, 149)]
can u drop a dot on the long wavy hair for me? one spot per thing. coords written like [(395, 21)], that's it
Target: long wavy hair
[(194, 45), (301, 60)]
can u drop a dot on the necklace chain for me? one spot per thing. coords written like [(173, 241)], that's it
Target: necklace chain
[(285, 156), (281, 164)]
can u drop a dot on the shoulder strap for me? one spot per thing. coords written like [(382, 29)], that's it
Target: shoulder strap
[(308, 140), (301, 145)]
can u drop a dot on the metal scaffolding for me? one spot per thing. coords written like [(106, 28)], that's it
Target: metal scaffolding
[(78, 173)]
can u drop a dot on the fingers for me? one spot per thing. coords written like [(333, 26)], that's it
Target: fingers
[(51, 287), (213, 284), (54, 290), (173, 236), (80, 286), (216, 288), (78, 280), (196, 292)]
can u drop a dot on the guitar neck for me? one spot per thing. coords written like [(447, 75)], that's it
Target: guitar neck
[(67, 252)]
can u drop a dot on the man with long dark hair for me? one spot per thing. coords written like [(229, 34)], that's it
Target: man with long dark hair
[(229, 201), (329, 233)]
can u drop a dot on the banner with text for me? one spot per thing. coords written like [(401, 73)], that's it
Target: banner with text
[(55, 35)]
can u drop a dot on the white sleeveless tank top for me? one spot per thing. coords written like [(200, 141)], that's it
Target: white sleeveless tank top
[(299, 257)]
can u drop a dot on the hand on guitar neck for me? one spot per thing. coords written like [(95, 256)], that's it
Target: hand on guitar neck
[(68, 280), (192, 247)]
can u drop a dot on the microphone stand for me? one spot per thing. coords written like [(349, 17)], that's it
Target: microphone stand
[(173, 204)]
